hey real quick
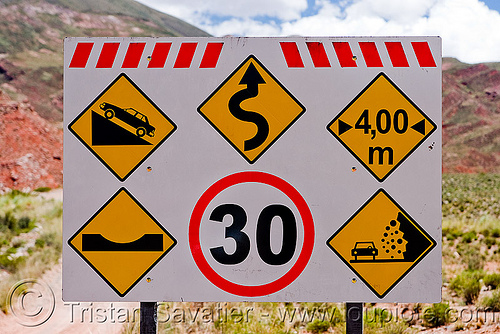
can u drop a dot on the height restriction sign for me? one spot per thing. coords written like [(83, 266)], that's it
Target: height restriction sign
[(252, 169)]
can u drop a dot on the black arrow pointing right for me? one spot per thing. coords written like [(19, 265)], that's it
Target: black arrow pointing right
[(343, 127)]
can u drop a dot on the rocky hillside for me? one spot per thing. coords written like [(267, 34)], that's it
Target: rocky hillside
[(471, 117), (31, 59), (30, 148)]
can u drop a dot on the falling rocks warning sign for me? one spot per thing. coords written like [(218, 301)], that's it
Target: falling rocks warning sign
[(384, 253)]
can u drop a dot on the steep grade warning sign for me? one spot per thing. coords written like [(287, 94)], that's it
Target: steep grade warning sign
[(122, 126)]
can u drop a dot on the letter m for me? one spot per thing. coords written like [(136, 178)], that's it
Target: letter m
[(380, 151)]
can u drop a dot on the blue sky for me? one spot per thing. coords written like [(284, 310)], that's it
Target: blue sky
[(469, 28), (493, 4)]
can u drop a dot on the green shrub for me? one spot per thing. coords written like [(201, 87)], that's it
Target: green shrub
[(467, 285), (376, 318), (492, 280), (452, 233), (318, 326), (8, 222), (17, 193), (50, 239), (398, 327), (491, 302), (489, 241), (9, 262), (25, 224), (436, 315), (471, 256), (495, 233), (469, 237), (43, 189), (40, 243)]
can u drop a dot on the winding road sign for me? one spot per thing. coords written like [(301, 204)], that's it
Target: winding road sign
[(251, 109)]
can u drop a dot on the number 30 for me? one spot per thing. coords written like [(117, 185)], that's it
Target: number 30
[(263, 235)]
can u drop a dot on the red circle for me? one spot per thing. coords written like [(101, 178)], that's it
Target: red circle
[(252, 290)]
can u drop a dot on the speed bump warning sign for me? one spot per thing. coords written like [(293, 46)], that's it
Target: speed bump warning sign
[(122, 241)]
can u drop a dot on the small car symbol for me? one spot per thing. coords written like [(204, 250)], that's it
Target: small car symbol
[(364, 248), (132, 117)]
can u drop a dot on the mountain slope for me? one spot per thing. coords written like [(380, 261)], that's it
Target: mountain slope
[(31, 71), (32, 33), (471, 117), (135, 10)]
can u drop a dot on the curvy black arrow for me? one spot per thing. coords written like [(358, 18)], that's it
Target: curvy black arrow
[(252, 79)]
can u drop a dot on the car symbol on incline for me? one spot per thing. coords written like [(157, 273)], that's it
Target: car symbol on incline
[(132, 117)]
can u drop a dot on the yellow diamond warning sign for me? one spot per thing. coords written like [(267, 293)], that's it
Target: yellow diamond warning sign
[(122, 127), (381, 127), (251, 109), (122, 241), (381, 243)]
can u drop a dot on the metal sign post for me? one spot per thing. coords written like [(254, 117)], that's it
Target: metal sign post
[(149, 318), (354, 318)]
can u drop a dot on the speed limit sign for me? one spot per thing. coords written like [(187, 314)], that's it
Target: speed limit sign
[(262, 169), (283, 249)]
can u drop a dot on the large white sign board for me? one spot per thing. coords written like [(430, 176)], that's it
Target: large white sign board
[(261, 169)]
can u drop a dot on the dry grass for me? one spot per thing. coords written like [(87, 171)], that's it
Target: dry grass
[(31, 251)]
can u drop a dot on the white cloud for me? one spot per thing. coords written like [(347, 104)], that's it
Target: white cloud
[(187, 9), (243, 27), (468, 27), (390, 10)]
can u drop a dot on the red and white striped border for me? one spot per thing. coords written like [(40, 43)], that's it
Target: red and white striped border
[(369, 51), (109, 50), (373, 54)]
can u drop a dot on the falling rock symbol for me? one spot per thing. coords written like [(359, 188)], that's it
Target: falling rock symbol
[(393, 242), (417, 242), (400, 241)]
